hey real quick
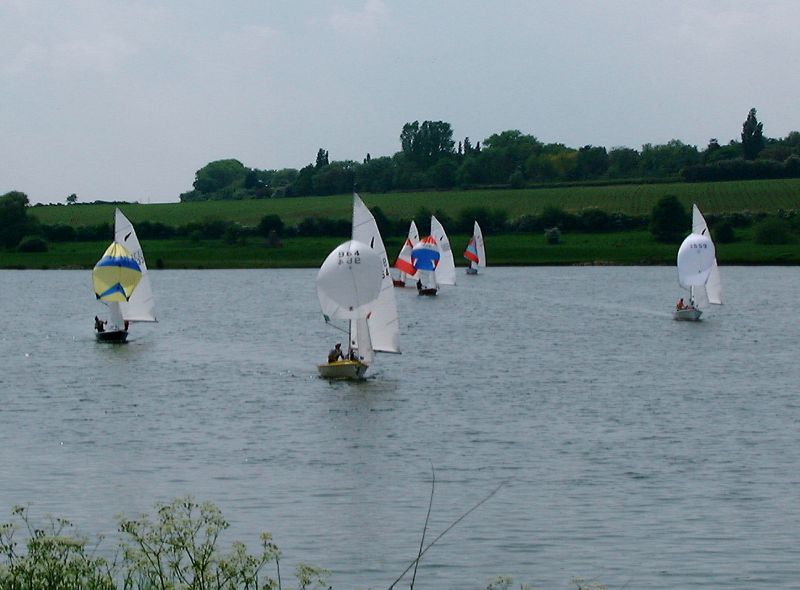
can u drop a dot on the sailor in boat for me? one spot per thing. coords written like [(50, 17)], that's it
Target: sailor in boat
[(680, 305), (99, 325), (336, 353)]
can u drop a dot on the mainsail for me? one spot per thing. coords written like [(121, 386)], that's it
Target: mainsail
[(141, 306), (446, 269), (475, 251), (384, 326)]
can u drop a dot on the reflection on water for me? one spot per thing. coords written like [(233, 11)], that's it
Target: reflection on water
[(637, 450)]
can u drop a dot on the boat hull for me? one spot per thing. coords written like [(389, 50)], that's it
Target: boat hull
[(342, 370), (116, 336), (687, 315)]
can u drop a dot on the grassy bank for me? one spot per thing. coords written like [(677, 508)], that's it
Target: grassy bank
[(766, 196), (629, 248), (635, 247)]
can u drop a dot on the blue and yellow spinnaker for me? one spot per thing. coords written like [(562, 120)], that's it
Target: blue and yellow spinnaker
[(116, 274)]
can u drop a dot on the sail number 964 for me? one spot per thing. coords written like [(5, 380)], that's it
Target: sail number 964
[(349, 257)]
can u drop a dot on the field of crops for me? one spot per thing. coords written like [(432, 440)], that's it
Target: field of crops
[(721, 197)]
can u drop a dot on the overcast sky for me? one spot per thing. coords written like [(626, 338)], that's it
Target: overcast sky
[(127, 99)]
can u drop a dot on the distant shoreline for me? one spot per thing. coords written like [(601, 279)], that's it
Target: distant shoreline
[(634, 248)]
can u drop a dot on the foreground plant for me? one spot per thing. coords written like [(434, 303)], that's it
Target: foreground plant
[(175, 550), (53, 557)]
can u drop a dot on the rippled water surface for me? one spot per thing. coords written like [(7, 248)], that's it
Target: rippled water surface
[(635, 449)]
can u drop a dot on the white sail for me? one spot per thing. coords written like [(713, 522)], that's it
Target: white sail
[(699, 225), (427, 279), (141, 307), (349, 281), (384, 325), (446, 269), (413, 234), (695, 259), (713, 287), (115, 319), (478, 237), (361, 341), (697, 263)]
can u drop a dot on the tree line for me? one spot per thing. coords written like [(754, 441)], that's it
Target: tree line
[(429, 158)]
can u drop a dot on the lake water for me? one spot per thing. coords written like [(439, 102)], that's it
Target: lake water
[(636, 450)]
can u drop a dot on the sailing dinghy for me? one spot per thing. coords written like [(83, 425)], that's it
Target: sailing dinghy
[(121, 282), (697, 270), (114, 278), (426, 257), (354, 284), (432, 257), (475, 253)]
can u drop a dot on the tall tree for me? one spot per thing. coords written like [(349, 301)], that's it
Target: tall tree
[(13, 218), (752, 136), (591, 162), (425, 144), (220, 174), (322, 158)]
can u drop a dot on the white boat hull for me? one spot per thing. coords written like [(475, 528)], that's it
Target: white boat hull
[(343, 370), (687, 315)]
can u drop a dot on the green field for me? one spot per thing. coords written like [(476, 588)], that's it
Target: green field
[(635, 247), (721, 197), (630, 248)]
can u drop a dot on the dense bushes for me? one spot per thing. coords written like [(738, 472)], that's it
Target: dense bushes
[(723, 233), (492, 221), (773, 230), (666, 225), (741, 169), (669, 221), (32, 244)]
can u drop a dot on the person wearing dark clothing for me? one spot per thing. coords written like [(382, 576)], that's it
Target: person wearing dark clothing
[(336, 353)]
